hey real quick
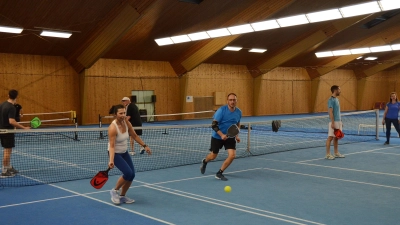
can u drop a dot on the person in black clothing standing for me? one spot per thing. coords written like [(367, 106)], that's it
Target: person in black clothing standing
[(18, 112), (7, 121), (133, 116)]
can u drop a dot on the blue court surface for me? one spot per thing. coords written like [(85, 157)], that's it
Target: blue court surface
[(291, 187)]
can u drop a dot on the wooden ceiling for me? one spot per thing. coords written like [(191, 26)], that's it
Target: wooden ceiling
[(126, 29)]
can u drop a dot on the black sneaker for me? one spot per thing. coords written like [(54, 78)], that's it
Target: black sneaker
[(219, 176), (12, 170), (386, 143), (203, 167), (7, 174)]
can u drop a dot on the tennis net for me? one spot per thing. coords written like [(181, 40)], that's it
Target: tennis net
[(55, 155)]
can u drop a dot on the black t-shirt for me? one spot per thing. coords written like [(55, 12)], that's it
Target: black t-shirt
[(7, 111), (18, 108), (133, 112)]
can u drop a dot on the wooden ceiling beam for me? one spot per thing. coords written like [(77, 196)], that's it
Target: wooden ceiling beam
[(108, 32), (203, 50)]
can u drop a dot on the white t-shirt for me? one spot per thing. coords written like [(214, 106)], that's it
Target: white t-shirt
[(121, 141)]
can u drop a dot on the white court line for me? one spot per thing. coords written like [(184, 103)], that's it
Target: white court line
[(331, 178), (372, 150), (385, 153), (226, 206), (202, 198), (334, 167)]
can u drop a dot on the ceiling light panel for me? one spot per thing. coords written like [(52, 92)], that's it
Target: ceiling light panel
[(360, 50), (265, 25), (360, 9), (55, 34), (240, 29), (395, 47), (389, 4), (232, 48), (258, 50), (13, 30), (218, 33), (332, 14), (341, 52), (371, 58), (198, 36), (292, 21), (324, 54), (384, 48), (164, 41), (180, 39)]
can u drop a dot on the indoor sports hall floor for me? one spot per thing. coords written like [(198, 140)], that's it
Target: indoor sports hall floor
[(294, 187)]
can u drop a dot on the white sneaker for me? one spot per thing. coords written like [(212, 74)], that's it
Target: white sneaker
[(132, 153), (127, 200), (115, 198)]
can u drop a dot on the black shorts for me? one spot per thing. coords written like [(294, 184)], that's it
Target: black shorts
[(7, 140), (217, 144)]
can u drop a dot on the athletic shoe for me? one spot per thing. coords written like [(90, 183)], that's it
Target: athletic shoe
[(203, 167), (115, 197), (142, 150), (132, 153), (219, 176), (127, 200), (386, 143), (330, 157), (339, 155), (7, 174), (12, 170)]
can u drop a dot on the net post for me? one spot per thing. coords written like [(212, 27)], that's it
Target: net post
[(248, 138), (377, 123), (101, 132)]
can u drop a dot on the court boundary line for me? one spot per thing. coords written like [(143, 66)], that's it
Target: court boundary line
[(332, 178), (151, 186), (372, 150)]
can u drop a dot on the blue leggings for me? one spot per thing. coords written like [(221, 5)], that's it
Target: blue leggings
[(124, 163)]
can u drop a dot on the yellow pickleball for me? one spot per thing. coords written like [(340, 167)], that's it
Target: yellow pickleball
[(227, 189)]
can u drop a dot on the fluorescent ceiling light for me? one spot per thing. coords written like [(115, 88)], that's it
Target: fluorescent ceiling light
[(258, 50), (370, 58), (332, 14), (396, 47), (359, 57), (231, 48), (218, 33), (384, 48), (164, 41), (360, 9), (198, 36), (341, 52), (292, 20), (180, 39), (323, 54), (14, 30), (56, 34), (265, 25), (241, 29), (389, 4), (360, 50)]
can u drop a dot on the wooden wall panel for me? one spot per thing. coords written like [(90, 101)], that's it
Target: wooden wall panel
[(110, 79), (45, 83), (348, 85), (209, 78), (283, 91)]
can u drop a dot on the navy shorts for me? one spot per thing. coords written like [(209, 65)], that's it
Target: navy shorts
[(217, 144), (7, 140)]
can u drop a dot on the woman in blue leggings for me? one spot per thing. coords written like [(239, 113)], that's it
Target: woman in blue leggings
[(118, 134), (391, 116)]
